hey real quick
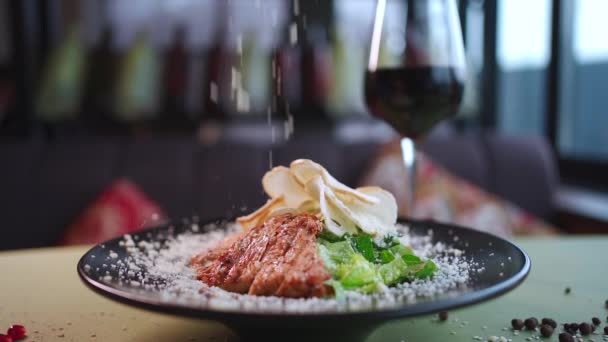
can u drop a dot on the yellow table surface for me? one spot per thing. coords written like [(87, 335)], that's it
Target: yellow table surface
[(41, 290)]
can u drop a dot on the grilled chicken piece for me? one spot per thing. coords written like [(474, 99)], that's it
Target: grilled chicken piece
[(206, 257), (276, 258), (307, 275)]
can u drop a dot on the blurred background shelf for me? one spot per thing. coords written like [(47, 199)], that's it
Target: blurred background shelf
[(115, 66), (160, 80)]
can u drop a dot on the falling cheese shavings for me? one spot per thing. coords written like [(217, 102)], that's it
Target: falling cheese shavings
[(293, 33), (213, 92)]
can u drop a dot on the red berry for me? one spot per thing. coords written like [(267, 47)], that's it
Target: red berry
[(5, 338), (16, 332)]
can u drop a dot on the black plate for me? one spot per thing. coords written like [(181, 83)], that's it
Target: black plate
[(506, 266)]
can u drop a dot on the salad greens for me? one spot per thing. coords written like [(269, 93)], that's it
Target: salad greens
[(358, 263)]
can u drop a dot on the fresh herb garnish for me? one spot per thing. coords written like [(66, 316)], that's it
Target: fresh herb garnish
[(411, 259), (364, 245), (329, 236), (386, 256), (390, 241), (427, 271)]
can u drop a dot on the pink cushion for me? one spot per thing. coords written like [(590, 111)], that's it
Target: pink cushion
[(120, 209)]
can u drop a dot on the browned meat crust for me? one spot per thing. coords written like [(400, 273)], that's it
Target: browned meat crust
[(208, 256), (276, 258)]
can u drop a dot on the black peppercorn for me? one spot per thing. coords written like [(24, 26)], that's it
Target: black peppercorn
[(546, 330), (443, 315), (549, 321), (531, 323), (585, 328), (517, 324), (596, 321), (574, 326), (567, 291), (605, 330), (565, 337)]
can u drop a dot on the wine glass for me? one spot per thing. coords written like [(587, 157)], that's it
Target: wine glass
[(415, 76)]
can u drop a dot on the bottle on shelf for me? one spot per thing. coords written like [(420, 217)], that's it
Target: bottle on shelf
[(175, 80), (138, 82), (214, 86), (316, 73), (59, 92), (99, 101)]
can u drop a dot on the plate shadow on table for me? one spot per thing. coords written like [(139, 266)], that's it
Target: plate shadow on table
[(195, 331)]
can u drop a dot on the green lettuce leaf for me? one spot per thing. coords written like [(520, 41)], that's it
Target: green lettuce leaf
[(401, 250), (336, 254), (357, 273), (357, 263), (394, 272), (427, 271), (338, 288), (411, 259)]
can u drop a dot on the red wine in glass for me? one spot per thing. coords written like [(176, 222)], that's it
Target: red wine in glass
[(413, 99)]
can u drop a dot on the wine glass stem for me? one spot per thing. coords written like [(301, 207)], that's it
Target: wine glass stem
[(408, 153)]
